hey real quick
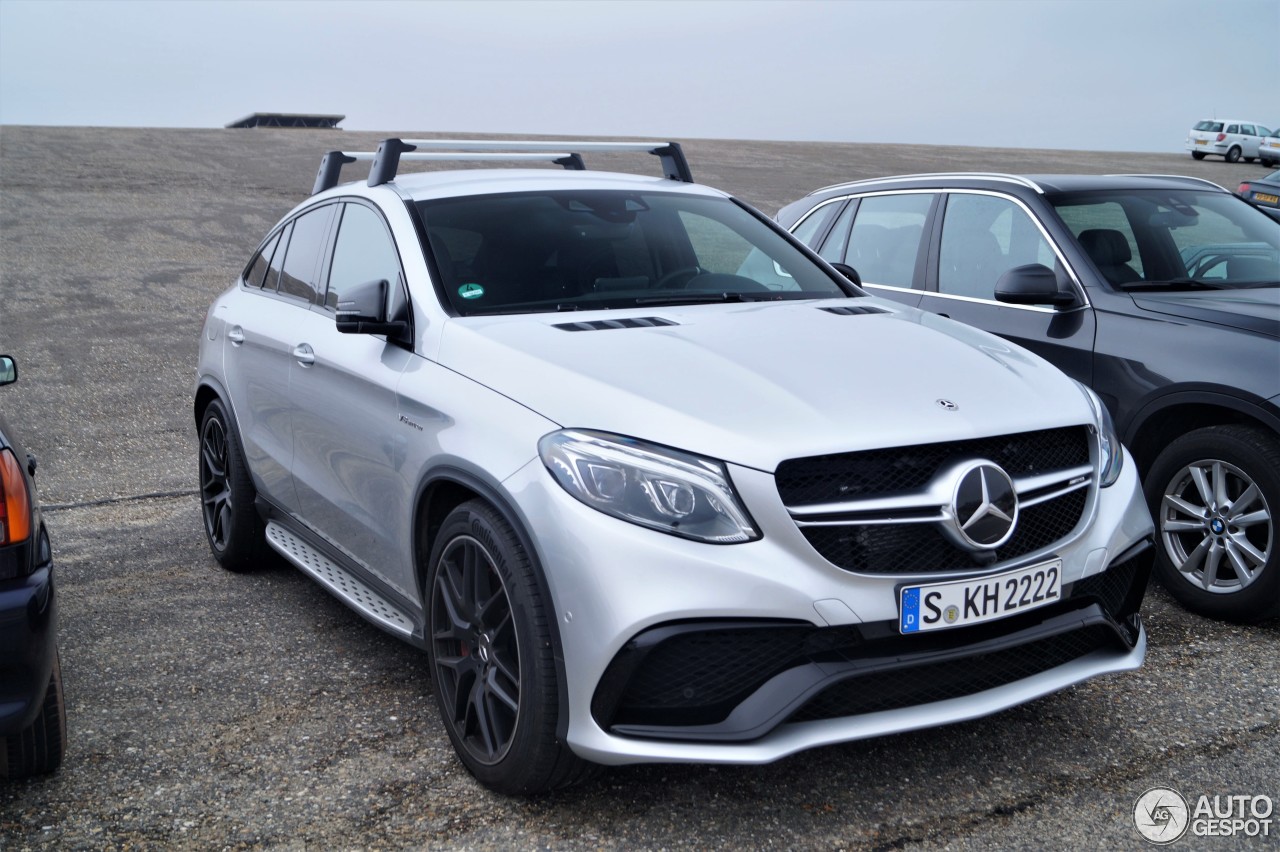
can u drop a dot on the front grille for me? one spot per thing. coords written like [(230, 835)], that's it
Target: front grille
[(851, 484), (836, 478), (922, 549), (939, 682)]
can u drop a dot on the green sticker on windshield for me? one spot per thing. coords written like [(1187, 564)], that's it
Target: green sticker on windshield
[(471, 291)]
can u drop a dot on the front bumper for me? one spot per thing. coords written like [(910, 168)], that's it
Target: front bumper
[(643, 618)]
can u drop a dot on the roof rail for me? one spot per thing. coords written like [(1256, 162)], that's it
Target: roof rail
[(1018, 179), (386, 160), (1178, 177)]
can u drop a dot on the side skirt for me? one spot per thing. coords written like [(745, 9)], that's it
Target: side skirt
[(340, 582)]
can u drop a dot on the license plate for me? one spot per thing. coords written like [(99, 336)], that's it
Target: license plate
[(1202, 141), (1262, 196), (938, 606)]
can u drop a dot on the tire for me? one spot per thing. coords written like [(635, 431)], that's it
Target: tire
[(1233, 154), (492, 658), (231, 522), (1197, 155), (38, 748), (1215, 497)]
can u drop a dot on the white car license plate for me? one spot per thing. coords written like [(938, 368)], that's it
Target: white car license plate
[(937, 606)]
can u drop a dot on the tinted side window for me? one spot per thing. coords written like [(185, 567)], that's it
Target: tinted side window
[(885, 240), (808, 230), (302, 258), (272, 281), (984, 236), (363, 251), (1106, 234), (257, 271), (1233, 128), (833, 248), (1247, 129)]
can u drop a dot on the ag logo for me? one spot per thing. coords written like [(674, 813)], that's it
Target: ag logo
[(1161, 815)]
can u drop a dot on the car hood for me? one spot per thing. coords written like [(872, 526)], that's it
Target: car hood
[(1256, 309), (759, 383)]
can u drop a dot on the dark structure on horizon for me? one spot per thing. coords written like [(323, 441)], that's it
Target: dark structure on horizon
[(282, 119)]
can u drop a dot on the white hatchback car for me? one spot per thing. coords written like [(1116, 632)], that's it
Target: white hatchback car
[(1230, 139), (646, 478)]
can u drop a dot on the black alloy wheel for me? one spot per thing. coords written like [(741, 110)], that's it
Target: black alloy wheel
[(231, 522), (477, 651), (491, 650)]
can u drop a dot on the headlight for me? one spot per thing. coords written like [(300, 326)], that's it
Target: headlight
[(649, 485), (1110, 452)]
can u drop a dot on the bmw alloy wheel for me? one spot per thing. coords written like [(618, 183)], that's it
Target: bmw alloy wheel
[(1216, 526)]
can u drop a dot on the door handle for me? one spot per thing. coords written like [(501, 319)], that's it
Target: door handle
[(236, 335), (304, 354)]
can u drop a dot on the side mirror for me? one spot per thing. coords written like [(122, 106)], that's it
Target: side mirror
[(8, 370), (1033, 284), (848, 272), (363, 310)]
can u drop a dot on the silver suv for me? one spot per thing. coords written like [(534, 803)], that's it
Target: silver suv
[(646, 478)]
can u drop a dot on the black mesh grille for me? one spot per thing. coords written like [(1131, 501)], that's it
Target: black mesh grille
[(1115, 585), (712, 666), (921, 548), (938, 682), (847, 476)]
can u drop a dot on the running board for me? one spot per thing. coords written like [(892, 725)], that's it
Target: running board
[(339, 582)]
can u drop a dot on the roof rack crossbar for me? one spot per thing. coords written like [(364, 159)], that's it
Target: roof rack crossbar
[(386, 160)]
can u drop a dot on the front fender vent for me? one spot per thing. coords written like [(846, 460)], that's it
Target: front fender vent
[(627, 322)]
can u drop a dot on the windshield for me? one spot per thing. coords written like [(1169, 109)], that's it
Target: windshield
[(1213, 126), (585, 250), (1173, 239)]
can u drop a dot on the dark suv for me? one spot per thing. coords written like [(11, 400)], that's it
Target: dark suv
[(33, 724), (1161, 293)]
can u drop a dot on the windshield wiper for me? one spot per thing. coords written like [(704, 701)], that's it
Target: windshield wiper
[(1172, 284), (707, 297)]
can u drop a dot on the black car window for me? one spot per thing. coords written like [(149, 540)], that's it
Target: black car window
[(272, 280), (256, 274), (590, 249), (1247, 129), (833, 248), (1233, 128), (886, 236), (984, 236), (808, 230), (302, 256), (1183, 238), (363, 251)]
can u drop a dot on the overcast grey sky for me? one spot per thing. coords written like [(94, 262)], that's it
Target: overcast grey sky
[(1125, 75)]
